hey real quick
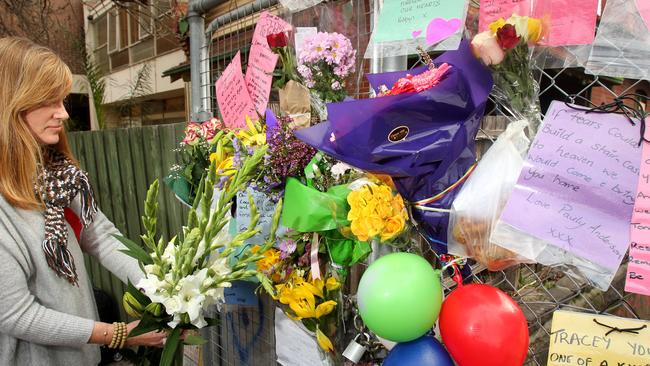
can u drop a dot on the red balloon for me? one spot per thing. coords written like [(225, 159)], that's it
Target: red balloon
[(482, 326)]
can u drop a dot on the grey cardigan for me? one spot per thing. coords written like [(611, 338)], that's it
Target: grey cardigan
[(44, 320)]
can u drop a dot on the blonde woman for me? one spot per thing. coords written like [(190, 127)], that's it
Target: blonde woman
[(47, 310)]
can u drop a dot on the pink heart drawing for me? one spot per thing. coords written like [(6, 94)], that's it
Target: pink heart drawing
[(439, 29), (416, 33)]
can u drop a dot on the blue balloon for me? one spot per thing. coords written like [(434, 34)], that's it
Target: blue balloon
[(424, 351)]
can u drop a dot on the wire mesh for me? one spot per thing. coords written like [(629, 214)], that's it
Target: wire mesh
[(539, 290)]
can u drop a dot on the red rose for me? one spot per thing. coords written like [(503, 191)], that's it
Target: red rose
[(277, 40), (507, 37)]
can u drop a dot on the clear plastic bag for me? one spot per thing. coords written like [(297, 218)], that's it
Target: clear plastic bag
[(622, 45), (481, 200)]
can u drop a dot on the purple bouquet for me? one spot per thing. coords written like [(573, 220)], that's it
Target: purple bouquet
[(425, 140)]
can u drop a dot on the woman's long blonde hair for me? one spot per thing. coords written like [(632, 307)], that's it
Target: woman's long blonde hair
[(30, 76)]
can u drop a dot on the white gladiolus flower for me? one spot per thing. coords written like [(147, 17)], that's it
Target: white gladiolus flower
[(152, 287), (199, 322), (174, 322), (170, 253), (200, 250), (152, 269), (220, 266), (173, 305), (214, 295)]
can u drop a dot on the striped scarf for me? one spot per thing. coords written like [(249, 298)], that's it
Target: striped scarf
[(60, 182)]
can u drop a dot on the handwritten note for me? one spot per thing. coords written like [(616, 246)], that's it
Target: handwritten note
[(268, 24), (576, 188), (241, 293), (644, 9), (570, 22), (259, 75), (638, 268), (577, 340), (232, 96), (491, 10), (264, 206), (407, 19)]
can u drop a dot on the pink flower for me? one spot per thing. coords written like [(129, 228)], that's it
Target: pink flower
[(486, 47), (192, 134), (209, 129)]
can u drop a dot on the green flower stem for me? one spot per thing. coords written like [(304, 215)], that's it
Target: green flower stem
[(515, 87)]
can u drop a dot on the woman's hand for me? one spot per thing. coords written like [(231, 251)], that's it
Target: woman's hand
[(151, 339)]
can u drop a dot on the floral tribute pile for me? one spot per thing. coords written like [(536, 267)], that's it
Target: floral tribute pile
[(369, 174)]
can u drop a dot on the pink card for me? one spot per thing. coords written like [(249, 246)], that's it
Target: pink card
[(259, 75), (232, 96), (491, 10), (571, 22), (638, 268), (268, 24), (644, 10)]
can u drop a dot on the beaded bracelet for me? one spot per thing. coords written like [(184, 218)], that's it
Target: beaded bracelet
[(119, 335)]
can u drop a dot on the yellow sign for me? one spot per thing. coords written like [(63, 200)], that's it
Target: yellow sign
[(579, 339)]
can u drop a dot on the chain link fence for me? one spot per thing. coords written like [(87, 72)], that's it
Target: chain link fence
[(539, 290)]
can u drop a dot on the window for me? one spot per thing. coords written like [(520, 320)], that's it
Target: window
[(100, 53), (145, 21), (112, 31), (126, 35), (123, 29)]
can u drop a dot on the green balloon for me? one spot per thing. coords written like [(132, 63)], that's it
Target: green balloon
[(399, 297)]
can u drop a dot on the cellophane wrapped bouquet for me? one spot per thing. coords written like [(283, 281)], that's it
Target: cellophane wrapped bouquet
[(506, 48)]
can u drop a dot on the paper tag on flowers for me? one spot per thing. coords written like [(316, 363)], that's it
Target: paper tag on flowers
[(264, 206)]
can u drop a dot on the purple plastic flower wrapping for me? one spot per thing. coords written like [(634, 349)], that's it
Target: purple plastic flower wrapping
[(424, 140)]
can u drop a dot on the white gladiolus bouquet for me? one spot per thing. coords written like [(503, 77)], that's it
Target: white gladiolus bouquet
[(186, 275)]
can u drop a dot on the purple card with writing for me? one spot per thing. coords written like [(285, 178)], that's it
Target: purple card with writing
[(577, 187)]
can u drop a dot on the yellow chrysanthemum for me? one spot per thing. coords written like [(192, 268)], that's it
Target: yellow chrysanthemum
[(372, 208), (394, 226)]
